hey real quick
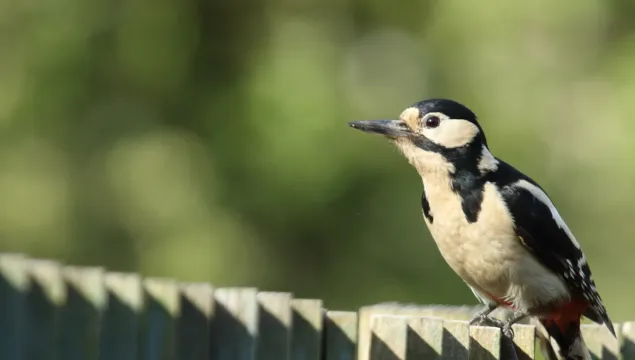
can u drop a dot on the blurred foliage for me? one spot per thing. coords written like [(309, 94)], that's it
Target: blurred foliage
[(207, 140)]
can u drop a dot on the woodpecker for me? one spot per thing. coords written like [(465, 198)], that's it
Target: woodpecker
[(495, 226)]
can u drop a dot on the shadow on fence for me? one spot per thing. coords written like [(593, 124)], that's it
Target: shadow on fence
[(50, 311)]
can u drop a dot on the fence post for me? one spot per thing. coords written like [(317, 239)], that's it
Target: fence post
[(14, 284), (45, 297), (456, 339), (601, 342), (161, 309), (425, 338), (193, 324), (388, 337), (121, 319), (306, 329), (235, 324), (627, 346), (340, 337), (81, 314), (274, 326)]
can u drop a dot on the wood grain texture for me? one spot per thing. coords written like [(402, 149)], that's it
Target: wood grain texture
[(193, 325), (51, 311), (14, 284), (234, 329), (425, 338), (161, 310), (389, 337), (627, 340), (274, 326), (456, 339), (45, 297), (601, 342), (522, 347), (122, 317), (81, 314), (340, 335), (306, 329), (485, 343), (440, 311)]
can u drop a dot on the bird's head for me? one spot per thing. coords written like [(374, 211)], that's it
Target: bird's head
[(436, 134)]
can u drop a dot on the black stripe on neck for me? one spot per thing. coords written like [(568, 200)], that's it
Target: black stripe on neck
[(466, 180)]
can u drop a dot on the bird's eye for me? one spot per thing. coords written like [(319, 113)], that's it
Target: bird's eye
[(432, 121)]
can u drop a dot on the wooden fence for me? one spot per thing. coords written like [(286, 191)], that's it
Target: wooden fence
[(50, 311)]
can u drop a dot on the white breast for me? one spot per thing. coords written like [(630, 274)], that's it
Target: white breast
[(487, 253)]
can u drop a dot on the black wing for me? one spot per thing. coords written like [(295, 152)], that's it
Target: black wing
[(546, 235)]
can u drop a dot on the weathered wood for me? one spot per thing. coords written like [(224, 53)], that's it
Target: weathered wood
[(162, 308), (14, 284), (197, 309), (306, 329), (46, 295), (80, 316), (274, 326), (485, 343), (235, 324), (389, 336), (425, 338), (601, 342), (456, 339), (523, 345), (627, 340), (122, 317), (52, 312), (340, 334), (440, 311)]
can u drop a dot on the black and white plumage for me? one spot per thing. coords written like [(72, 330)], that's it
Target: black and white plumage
[(495, 226)]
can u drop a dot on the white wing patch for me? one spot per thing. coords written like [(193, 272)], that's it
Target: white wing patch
[(543, 198), (487, 162)]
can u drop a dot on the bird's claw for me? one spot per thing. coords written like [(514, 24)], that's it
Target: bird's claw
[(477, 320), (508, 332), (487, 321)]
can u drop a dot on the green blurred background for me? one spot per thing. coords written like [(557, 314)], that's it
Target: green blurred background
[(207, 140)]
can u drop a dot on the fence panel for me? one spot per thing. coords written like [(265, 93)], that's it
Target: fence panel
[(51, 311)]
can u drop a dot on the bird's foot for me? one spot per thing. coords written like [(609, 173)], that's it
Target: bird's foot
[(508, 332), (507, 326), (484, 320)]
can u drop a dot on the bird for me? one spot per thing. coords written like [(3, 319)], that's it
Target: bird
[(496, 228)]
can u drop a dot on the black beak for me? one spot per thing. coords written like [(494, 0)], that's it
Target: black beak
[(390, 128)]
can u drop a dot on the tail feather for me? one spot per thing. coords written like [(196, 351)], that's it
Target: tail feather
[(599, 318), (567, 338)]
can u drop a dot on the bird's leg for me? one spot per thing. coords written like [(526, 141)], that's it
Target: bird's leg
[(482, 316), (507, 325)]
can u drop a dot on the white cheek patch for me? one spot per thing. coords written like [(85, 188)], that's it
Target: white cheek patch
[(543, 198), (452, 133)]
